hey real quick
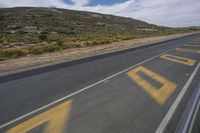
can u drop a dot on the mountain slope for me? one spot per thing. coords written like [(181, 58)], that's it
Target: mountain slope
[(66, 21), (39, 30)]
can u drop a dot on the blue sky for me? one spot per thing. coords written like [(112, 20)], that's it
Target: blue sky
[(173, 13)]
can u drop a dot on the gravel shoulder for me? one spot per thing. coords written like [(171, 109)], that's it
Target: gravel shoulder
[(37, 61)]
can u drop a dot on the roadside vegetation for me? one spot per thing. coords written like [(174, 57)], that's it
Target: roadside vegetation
[(25, 31)]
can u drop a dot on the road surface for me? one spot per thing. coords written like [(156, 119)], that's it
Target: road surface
[(138, 90)]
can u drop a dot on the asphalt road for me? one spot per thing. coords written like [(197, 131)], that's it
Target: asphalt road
[(132, 91)]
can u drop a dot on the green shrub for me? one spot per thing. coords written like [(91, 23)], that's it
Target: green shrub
[(3, 58), (105, 42), (42, 37), (71, 45), (96, 42), (87, 43), (52, 48), (60, 42), (44, 48), (1, 40), (11, 53), (36, 50)]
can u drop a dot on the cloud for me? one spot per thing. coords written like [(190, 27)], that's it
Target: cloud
[(80, 2), (31, 3), (174, 13)]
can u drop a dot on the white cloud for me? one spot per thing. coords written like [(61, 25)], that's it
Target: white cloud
[(34, 3), (161, 12), (80, 2)]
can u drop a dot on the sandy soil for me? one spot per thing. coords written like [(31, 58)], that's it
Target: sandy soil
[(36, 61)]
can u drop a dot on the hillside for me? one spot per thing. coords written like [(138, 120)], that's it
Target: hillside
[(38, 30), (65, 21)]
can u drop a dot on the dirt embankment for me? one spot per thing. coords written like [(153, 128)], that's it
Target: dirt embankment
[(36, 61)]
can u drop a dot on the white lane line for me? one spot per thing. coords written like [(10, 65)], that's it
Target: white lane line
[(194, 116), (172, 109), (79, 91)]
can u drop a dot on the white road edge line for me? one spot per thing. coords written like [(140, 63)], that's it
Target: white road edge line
[(194, 116), (172, 109), (79, 91)]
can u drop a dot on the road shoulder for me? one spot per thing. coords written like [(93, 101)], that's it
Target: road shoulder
[(37, 61)]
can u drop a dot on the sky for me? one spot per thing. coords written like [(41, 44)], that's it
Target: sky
[(171, 13)]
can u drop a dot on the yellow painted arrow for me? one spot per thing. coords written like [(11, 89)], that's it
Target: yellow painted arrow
[(55, 118)]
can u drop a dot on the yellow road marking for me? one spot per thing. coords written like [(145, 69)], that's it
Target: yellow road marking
[(178, 59), (56, 119), (192, 45), (196, 51), (160, 95)]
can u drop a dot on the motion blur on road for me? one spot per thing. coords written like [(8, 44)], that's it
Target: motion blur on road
[(99, 66), (153, 88)]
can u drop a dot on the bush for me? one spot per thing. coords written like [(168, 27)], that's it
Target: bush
[(105, 42), (36, 50), (60, 42), (11, 53), (42, 37), (88, 43), (2, 58), (96, 42), (1, 40), (44, 48), (71, 45)]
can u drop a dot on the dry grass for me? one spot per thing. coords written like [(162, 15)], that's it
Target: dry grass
[(76, 53)]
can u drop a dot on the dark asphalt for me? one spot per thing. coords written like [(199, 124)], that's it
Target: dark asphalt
[(115, 105)]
